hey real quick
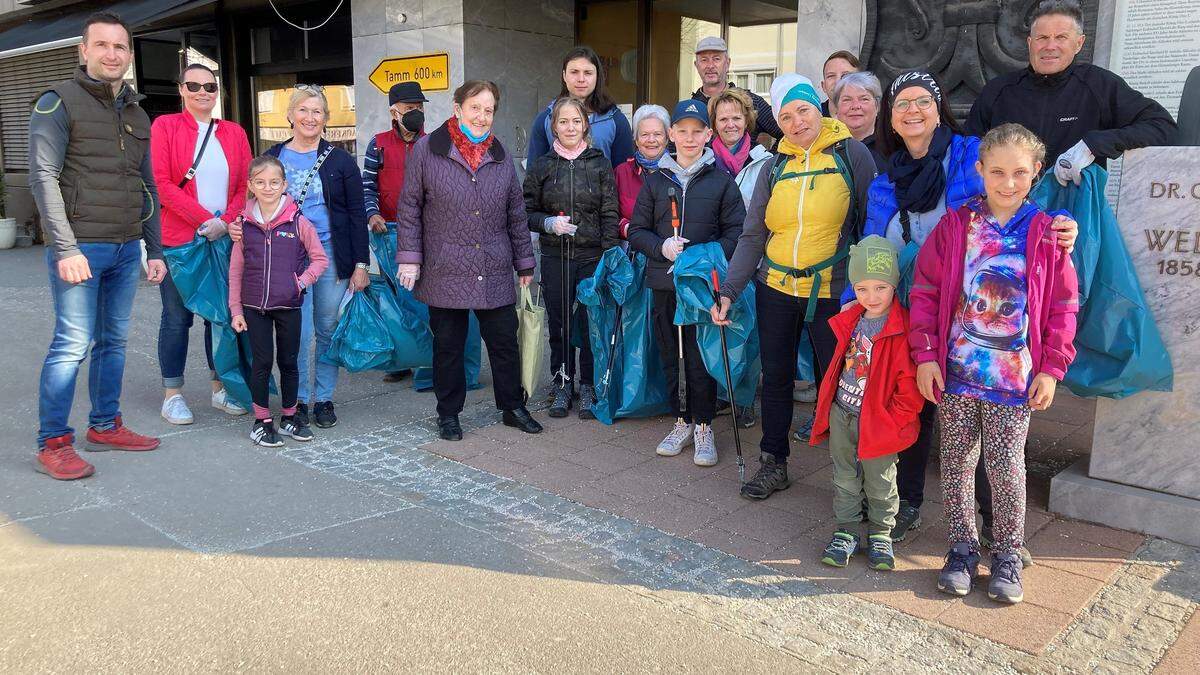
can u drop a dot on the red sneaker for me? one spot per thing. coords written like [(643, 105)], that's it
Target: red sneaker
[(59, 461), (118, 438)]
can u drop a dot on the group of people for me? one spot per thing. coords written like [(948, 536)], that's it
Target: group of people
[(816, 201)]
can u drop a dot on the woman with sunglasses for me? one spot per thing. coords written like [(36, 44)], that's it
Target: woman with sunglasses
[(930, 169), (200, 166)]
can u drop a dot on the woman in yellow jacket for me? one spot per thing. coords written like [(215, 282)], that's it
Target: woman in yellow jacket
[(809, 205)]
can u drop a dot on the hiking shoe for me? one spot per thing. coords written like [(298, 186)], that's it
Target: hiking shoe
[(301, 415), (263, 433), (771, 477), (59, 460), (288, 426), (396, 376), (587, 399), (323, 414), (986, 539), (840, 548), (221, 401), (706, 446), (561, 402), (680, 437), (118, 438), (958, 574), (1005, 583), (745, 416), (722, 408), (879, 552), (908, 518), (175, 410), (806, 395), (803, 432)]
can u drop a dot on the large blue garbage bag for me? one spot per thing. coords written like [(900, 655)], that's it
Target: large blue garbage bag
[(630, 381), (200, 270), (1120, 351), (694, 298), (361, 340)]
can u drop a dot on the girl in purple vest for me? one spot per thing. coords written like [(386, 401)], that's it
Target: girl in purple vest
[(277, 258)]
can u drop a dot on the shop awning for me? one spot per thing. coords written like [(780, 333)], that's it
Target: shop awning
[(56, 28)]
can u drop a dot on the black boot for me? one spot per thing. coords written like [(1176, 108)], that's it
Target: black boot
[(449, 428), (771, 477), (587, 399), (521, 419), (562, 400)]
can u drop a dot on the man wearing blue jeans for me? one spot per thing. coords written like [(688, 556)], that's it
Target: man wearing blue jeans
[(96, 194)]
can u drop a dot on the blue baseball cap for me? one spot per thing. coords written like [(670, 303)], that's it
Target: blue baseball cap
[(690, 108)]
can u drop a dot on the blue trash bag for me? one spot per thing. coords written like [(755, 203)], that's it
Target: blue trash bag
[(406, 325), (383, 246), (200, 270), (1120, 351), (694, 298), (632, 383), (361, 340)]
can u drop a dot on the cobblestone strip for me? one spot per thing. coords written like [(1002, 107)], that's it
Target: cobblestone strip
[(1126, 629)]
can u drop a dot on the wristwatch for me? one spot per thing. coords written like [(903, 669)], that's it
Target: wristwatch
[(362, 266)]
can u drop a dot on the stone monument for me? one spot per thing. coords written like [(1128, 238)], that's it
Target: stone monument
[(1144, 470)]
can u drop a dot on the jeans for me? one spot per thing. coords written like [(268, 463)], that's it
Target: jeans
[(173, 328), (274, 338), (499, 330), (93, 314), (320, 314), (780, 319)]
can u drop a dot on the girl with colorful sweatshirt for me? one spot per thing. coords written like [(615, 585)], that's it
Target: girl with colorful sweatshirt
[(992, 319), (278, 256)]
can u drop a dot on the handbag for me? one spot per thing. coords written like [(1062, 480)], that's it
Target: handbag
[(531, 337)]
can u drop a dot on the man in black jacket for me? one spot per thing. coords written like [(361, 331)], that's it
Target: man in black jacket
[(709, 208), (1082, 112)]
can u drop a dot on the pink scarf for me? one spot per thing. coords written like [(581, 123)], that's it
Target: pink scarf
[(569, 154), (732, 162)]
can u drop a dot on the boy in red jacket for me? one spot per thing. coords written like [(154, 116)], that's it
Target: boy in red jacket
[(868, 405)]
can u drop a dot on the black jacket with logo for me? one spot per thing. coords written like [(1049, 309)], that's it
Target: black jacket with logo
[(583, 188), (1082, 102)]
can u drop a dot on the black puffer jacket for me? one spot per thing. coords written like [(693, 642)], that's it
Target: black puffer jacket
[(583, 188), (710, 208)]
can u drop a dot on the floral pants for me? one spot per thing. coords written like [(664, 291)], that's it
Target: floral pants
[(967, 426)]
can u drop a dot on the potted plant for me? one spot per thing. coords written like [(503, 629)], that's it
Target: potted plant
[(8, 226)]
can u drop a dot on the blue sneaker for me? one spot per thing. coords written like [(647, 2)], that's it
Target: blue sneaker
[(962, 565), (840, 548), (1005, 584), (879, 552)]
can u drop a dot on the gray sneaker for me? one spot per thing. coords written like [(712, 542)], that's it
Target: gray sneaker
[(985, 541), (705, 446), (679, 438), (958, 574), (1005, 584)]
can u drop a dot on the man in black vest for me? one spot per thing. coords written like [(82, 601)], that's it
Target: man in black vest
[(89, 171), (1083, 113)]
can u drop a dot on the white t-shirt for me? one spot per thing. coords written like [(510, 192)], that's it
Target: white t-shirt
[(212, 175)]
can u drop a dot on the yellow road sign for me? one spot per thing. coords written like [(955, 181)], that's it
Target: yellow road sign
[(432, 71)]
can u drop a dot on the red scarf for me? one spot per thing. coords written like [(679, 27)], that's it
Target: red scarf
[(471, 152)]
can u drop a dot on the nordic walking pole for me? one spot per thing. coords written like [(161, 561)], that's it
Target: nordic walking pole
[(676, 226), (612, 342), (737, 441), (564, 331)]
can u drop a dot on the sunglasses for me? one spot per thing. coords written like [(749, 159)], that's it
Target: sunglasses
[(210, 87), (314, 88)]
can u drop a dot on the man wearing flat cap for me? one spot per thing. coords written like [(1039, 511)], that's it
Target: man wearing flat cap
[(712, 64)]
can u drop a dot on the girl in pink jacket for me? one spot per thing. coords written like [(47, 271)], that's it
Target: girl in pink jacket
[(992, 320)]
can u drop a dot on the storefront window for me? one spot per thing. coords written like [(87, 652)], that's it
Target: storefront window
[(275, 91), (676, 26), (611, 29), (762, 43)]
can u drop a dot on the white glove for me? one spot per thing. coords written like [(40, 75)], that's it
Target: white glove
[(672, 247), (1070, 164), (560, 225), (408, 273), (212, 229)]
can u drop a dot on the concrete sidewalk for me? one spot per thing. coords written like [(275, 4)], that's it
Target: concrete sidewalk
[(377, 547)]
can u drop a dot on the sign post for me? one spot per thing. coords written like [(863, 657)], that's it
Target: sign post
[(431, 71)]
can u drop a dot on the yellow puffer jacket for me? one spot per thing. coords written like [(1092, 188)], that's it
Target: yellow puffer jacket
[(807, 210)]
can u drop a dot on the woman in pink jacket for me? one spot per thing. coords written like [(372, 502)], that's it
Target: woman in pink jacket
[(200, 166)]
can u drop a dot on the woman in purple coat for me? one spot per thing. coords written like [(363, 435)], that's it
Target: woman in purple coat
[(462, 231)]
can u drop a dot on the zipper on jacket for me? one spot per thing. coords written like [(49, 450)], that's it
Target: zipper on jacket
[(800, 222), (571, 179), (267, 276)]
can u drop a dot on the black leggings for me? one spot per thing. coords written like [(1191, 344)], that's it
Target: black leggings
[(701, 388), (274, 337), (552, 290)]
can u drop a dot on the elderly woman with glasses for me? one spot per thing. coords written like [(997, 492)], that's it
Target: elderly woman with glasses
[(200, 165), (325, 181)]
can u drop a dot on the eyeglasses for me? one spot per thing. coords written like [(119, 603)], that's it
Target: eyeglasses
[(210, 87), (274, 184), (922, 103)]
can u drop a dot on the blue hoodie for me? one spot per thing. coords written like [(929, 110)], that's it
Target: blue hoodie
[(610, 134)]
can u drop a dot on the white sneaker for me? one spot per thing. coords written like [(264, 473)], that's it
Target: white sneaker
[(706, 446), (806, 395), (679, 438), (221, 401), (175, 410)]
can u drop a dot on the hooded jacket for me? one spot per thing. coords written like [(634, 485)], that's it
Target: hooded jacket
[(274, 261), (1052, 292), (609, 130), (582, 188), (710, 209), (804, 220), (891, 402), (1082, 102), (747, 178)]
